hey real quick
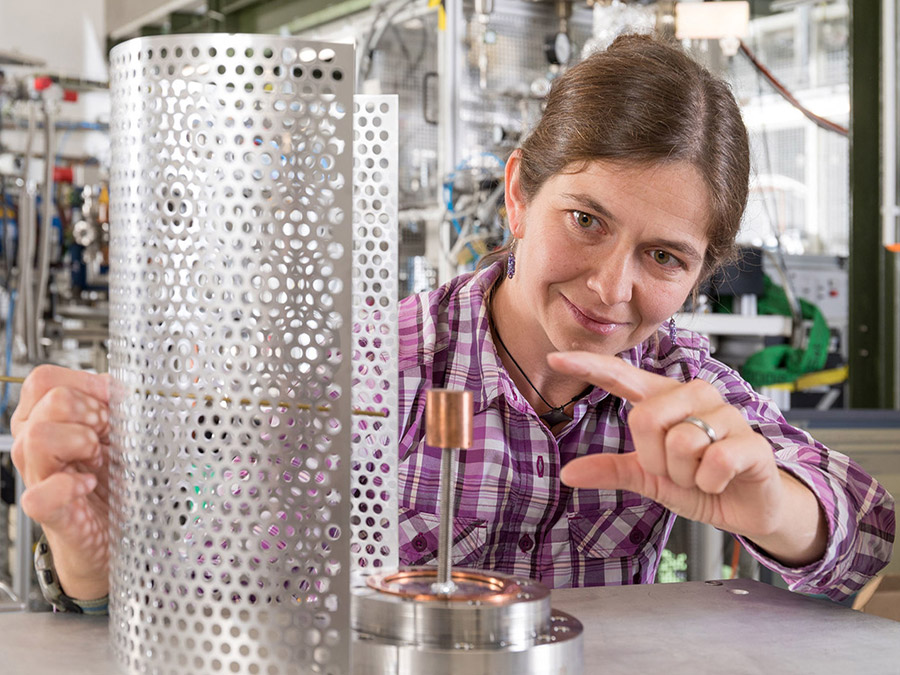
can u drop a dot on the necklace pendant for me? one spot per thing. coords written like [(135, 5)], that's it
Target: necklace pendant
[(555, 416)]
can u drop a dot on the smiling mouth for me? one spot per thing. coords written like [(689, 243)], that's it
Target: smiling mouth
[(600, 325)]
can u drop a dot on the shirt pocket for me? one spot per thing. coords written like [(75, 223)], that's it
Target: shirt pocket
[(613, 533), (419, 531)]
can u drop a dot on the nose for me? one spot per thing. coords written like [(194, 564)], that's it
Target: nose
[(612, 278)]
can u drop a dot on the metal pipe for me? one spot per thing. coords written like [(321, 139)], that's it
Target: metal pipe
[(46, 224), (445, 584), (23, 546), (704, 551), (563, 14), (21, 590), (450, 65), (889, 121), (26, 232), (28, 270), (890, 209)]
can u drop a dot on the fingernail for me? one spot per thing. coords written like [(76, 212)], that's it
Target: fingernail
[(92, 419)]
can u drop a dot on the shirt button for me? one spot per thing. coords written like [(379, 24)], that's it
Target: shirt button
[(636, 536), (526, 543), (419, 543)]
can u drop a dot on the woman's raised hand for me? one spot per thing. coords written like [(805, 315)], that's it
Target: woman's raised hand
[(727, 478), (61, 448)]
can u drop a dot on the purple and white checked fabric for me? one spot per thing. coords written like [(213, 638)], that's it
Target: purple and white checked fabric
[(513, 514)]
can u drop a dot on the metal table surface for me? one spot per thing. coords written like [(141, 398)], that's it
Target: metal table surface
[(737, 627)]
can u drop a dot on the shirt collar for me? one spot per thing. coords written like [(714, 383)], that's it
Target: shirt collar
[(482, 364)]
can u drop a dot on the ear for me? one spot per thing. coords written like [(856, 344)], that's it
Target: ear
[(515, 200)]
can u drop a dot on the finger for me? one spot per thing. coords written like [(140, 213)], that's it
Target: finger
[(729, 458), (685, 443), (650, 420), (47, 448), (48, 502), (609, 472), (612, 374), (65, 404), (44, 378), (683, 452)]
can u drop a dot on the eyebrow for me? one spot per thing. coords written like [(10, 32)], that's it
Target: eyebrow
[(592, 204), (681, 247)]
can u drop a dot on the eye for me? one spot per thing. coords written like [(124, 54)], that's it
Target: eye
[(665, 258), (583, 220)]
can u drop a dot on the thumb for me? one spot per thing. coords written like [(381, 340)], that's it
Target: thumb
[(607, 472)]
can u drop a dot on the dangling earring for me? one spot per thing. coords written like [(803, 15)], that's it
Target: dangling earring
[(673, 331), (510, 265)]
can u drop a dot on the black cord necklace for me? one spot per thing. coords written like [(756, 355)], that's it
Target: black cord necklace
[(555, 415)]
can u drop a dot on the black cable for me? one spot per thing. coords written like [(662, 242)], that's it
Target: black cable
[(420, 57), (364, 48), (371, 47), (400, 40)]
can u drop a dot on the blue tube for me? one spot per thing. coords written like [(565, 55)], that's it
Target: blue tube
[(456, 225)]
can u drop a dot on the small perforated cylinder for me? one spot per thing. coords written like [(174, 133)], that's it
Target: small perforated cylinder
[(230, 306), (373, 516)]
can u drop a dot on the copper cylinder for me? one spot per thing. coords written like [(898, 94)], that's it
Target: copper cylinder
[(448, 418)]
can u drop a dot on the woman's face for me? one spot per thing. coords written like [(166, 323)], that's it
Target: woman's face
[(605, 255)]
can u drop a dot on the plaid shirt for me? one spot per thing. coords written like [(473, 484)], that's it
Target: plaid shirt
[(513, 514)]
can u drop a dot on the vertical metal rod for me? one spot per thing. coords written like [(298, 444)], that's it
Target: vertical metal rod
[(22, 585), (445, 534), (25, 247), (890, 209), (23, 546), (46, 234), (889, 120), (448, 426), (704, 552), (450, 65)]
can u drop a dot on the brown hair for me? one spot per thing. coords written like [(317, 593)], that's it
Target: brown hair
[(644, 101)]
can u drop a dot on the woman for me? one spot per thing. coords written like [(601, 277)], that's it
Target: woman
[(627, 195)]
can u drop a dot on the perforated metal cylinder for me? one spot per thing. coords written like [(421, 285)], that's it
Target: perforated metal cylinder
[(230, 326), (373, 518)]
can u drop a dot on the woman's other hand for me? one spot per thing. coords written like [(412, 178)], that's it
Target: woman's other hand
[(61, 449)]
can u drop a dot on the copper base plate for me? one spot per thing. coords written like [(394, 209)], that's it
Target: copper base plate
[(415, 583)]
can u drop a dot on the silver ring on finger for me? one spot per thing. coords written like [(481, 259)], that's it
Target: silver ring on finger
[(703, 426)]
